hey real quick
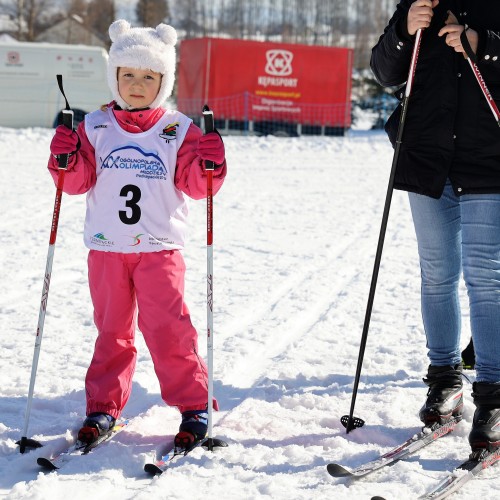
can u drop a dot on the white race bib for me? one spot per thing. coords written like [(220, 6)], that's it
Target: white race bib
[(134, 205)]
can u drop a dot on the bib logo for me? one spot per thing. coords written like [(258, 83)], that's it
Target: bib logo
[(147, 164), (100, 240), (169, 133), (137, 240)]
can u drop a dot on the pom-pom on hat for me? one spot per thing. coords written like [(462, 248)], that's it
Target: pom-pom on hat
[(142, 48)]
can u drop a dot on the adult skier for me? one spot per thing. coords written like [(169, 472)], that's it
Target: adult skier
[(450, 164)]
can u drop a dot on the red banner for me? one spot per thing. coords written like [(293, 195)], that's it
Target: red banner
[(252, 81)]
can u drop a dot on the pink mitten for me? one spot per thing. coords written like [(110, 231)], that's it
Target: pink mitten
[(211, 148), (65, 141)]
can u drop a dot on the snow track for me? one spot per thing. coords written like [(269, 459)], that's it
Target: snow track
[(280, 320)]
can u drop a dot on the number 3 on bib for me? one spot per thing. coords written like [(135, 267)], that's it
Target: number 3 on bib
[(133, 215)]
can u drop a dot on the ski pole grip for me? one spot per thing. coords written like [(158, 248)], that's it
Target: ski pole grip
[(208, 120), (67, 118), (67, 121)]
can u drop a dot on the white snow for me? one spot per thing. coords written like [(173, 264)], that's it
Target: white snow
[(296, 228)]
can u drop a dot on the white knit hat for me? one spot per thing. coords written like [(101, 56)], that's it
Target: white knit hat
[(142, 48)]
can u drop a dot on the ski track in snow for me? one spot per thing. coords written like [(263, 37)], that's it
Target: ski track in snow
[(296, 227)]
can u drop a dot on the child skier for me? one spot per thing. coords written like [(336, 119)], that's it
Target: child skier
[(136, 161)]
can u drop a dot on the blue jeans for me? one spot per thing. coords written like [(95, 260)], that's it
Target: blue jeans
[(458, 235)]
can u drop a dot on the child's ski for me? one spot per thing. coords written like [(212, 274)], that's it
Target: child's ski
[(78, 448), (173, 454)]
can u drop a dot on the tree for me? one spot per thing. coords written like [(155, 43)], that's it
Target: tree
[(101, 13), (31, 16), (152, 12)]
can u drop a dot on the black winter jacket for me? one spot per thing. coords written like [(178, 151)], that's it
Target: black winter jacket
[(450, 131)]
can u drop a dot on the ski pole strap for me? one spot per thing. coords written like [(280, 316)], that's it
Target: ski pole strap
[(60, 85), (208, 120), (466, 45), (67, 121)]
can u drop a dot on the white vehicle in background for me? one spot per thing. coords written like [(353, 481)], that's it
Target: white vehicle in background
[(29, 95)]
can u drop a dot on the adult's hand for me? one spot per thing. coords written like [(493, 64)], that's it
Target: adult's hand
[(452, 30), (420, 15)]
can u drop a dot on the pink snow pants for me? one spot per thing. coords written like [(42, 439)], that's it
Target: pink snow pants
[(153, 284)]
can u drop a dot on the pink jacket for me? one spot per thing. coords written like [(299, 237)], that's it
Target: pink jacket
[(190, 175)]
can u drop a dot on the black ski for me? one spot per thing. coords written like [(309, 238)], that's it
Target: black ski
[(426, 436), (157, 466), (78, 448), (472, 467)]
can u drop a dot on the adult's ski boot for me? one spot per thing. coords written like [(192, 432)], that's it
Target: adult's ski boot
[(445, 395), (485, 432)]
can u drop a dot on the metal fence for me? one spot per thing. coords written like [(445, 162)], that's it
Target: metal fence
[(250, 114)]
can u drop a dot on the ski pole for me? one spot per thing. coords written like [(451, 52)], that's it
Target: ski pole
[(210, 442), (67, 119), (349, 421), (208, 119), (484, 88), (472, 59)]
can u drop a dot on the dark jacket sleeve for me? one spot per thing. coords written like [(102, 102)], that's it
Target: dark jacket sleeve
[(391, 57), (489, 47)]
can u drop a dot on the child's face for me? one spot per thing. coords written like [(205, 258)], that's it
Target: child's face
[(138, 87)]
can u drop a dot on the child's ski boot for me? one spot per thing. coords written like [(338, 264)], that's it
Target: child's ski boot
[(193, 428), (94, 426)]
